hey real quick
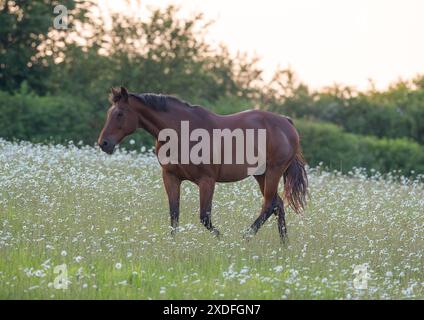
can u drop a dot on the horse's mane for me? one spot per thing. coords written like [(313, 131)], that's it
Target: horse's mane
[(159, 102)]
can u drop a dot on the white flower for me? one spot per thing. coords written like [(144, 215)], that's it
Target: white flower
[(132, 141), (278, 268), (118, 265), (63, 253), (39, 273), (78, 259), (245, 269)]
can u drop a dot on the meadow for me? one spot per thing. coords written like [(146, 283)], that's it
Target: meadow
[(106, 219)]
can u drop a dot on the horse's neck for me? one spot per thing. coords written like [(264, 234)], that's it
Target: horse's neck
[(153, 121)]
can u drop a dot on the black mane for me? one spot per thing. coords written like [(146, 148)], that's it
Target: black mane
[(159, 102)]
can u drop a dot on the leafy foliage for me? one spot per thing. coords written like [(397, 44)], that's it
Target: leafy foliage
[(394, 113), (331, 145), (27, 41)]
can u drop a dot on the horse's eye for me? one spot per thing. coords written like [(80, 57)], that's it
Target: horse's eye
[(120, 114)]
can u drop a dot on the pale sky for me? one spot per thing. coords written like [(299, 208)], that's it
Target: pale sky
[(325, 41)]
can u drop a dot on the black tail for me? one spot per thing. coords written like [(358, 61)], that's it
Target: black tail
[(296, 184)]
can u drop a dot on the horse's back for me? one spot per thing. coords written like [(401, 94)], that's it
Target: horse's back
[(282, 139), (254, 118), (276, 125)]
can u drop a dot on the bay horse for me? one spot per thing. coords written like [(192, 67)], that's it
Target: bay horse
[(155, 112)]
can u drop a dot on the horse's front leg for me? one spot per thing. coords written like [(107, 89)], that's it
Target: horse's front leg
[(206, 190), (172, 187)]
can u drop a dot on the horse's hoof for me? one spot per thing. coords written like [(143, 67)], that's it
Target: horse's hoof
[(284, 241), (173, 232), (248, 234), (216, 233)]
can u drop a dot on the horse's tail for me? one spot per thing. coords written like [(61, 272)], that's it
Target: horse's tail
[(296, 183)]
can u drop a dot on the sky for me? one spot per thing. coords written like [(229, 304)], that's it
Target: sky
[(325, 42)]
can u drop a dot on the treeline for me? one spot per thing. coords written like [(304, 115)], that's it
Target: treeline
[(54, 85), (338, 150), (393, 113)]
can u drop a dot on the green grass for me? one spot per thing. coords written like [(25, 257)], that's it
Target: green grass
[(108, 212)]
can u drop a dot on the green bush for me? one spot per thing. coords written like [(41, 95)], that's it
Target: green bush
[(329, 144), (60, 118)]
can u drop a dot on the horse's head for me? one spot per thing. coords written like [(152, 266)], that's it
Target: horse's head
[(121, 121)]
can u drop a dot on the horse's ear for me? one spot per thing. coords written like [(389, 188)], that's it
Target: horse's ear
[(114, 91), (124, 93), (114, 95)]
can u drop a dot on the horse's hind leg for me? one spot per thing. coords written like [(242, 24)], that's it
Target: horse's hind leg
[(278, 210), (261, 182), (282, 228), (269, 187), (206, 189)]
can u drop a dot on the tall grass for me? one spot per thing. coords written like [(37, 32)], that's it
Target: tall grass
[(106, 218)]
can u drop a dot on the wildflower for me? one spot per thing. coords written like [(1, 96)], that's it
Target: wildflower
[(278, 268)]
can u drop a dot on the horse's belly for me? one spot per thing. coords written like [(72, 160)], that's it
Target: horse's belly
[(232, 173)]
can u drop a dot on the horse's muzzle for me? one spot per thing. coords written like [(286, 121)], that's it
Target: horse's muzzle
[(107, 146)]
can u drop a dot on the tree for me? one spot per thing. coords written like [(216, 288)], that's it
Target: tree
[(24, 28)]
